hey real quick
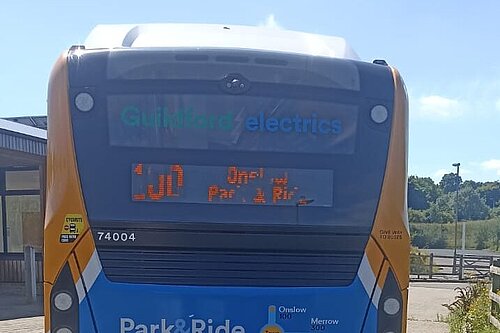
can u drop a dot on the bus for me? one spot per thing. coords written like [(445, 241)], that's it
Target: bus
[(224, 179)]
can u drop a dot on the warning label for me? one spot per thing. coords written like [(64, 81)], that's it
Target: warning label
[(72, 227)]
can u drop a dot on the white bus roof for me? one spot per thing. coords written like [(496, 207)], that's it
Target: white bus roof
[(177, 35)]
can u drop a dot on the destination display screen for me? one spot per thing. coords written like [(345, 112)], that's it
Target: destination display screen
[(226, 122), (237, 185)]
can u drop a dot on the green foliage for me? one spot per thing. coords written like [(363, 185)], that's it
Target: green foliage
[(431, 236), (490, 192), (442, 210), (471, 184), (495, 212), (483, 234), (496, 232), (417, 216), (434, 235), (470, 205), (419, 263), (469, 313), (466, 297), (422, 191), (449, 182), (428, 202), (437, 204)]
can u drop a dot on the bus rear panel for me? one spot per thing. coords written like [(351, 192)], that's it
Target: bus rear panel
[(223, 190)]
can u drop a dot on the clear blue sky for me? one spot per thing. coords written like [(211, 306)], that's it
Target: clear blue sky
[(448, 52)]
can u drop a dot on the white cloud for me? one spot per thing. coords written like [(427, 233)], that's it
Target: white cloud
[(465, 172), (271, 22), (477, 98), (436, 177), (492, 165), (438, 107)]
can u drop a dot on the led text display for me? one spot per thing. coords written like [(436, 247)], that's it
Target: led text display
[(231, 185)]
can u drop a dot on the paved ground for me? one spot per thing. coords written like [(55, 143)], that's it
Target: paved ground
[(24, 325), (16, 315), (425, 311), (425, 314)]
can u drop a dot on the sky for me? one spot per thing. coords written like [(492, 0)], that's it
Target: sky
[(447, 51)]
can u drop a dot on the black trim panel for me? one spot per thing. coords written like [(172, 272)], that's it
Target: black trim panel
[(247, 256)]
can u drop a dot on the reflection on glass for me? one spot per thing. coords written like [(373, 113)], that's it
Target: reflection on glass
[(24, 225), (22, 180)]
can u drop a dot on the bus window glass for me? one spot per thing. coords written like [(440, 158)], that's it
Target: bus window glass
[(212, 65)]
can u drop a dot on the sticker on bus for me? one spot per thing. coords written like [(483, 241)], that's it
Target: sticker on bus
[(72, 228)]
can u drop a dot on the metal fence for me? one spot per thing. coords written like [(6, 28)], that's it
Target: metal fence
[(462, 267), (12, 267)]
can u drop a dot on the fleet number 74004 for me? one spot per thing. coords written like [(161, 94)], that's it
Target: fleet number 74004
[(116, 236)]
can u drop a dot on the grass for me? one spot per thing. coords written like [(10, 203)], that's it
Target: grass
[(479, 234)]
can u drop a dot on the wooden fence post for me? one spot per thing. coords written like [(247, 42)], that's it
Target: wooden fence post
[(30, 273), (461, 268), (495, 299), (431, 264)]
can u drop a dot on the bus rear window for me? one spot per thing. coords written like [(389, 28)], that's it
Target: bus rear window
[(226, 122)]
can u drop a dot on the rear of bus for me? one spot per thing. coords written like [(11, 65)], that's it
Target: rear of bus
[(211, 179)]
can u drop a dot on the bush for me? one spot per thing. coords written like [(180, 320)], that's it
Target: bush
[(417, 216), (479, 234), (429, 236), (495, 212), (470, 311), (483, 235), (419, 262)]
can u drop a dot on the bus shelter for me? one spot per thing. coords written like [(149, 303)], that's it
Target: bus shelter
[(23, 143)]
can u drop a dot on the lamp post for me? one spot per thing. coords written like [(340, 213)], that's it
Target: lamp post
[(457, 175)]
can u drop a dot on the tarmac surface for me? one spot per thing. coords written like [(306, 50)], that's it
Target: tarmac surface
[(16, 314), (425, 314)]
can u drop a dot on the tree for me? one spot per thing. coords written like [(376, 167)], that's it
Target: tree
[(471, 183), (422, 191), (490, 192), (449, 182), (417, 216), (495, 212), (471, 206), (441, 211)]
